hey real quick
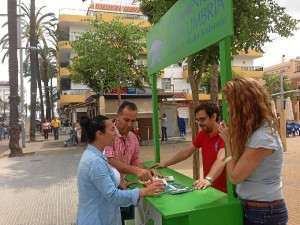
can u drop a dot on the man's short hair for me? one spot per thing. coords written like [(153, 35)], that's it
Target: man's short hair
[(130, 105), (210, 108)]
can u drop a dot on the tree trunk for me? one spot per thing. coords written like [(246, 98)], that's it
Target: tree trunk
[(39, 82), (119, 90), (15, 149), (195, 129), (34, 71), (45, 68), (214, 90), (47, 99), (51, 99)]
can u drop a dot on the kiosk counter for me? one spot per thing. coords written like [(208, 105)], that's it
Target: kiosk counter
[(199, 207)]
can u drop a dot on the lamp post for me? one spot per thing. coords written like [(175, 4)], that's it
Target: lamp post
[(282, 130), (21, 76)]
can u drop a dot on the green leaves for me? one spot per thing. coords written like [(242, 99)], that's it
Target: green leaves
[(272, 84), (107, 55)]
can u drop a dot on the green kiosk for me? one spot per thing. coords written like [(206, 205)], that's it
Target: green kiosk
[(188, 27)]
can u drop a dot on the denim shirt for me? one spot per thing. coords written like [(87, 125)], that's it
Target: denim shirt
[(99, 197)]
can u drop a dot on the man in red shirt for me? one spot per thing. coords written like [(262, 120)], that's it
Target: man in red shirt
[(213, 151)]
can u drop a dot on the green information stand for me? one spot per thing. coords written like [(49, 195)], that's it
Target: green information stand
[(199, 207), (188, 27)]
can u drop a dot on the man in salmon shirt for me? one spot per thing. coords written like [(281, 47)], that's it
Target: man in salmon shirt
[(213, 151)]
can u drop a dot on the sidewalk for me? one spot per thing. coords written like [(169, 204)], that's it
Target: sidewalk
[(40, 188)]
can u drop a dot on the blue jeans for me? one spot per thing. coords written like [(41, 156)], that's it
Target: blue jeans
[(164, 134), (55, 133), (272, 215)]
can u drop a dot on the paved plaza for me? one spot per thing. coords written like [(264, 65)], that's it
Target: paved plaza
[(40, 188)]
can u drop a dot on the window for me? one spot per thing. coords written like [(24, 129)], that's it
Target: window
[(166, 83), (298, 85), (298, 69)]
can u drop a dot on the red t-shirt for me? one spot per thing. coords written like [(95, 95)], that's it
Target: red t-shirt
[(210, 148)]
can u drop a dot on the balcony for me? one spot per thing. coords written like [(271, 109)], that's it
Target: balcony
[(202, 96), (64, 72), (74, 92), (249, 71), (64, 45), (251, 53), (71, 96)]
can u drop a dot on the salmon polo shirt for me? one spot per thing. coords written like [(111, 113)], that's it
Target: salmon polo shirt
[(210, 147)]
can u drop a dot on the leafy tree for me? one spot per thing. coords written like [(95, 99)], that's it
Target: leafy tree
[(106, 56), (15, 149), (205, 83), (254, 22), (272, 84)]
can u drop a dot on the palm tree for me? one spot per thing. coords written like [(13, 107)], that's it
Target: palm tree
[(15, 149), (47, 62), (45, 33), (33, 69)]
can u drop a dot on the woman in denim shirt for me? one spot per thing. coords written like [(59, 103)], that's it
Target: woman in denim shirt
[(99, 196), (255, 152)]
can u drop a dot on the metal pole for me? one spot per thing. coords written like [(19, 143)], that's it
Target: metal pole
[(281, 90), (21, 76)]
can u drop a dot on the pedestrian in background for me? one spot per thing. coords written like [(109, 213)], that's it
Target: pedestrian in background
[(164, 124), (254, 152), (45, 128), (99, 196), (1, 131), (55, 124)]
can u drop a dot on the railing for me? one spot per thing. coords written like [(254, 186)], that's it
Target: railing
[(252, 68), (74, 92)]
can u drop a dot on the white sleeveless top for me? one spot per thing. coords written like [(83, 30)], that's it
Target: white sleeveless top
[(117, 175)]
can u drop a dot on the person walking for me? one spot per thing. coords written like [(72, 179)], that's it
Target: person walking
[(97, 181), (45, 128), (1, 131), (254, 152), (124, 154), (55, 124), (212, 149), (164, 124)]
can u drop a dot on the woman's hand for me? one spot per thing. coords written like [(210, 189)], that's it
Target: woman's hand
[(153, 190), (224, 131), (159, 165)]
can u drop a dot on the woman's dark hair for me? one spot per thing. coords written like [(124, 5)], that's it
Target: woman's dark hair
[(93, 125)]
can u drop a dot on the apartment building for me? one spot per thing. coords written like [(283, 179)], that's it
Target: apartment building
[(291, 69), (4, 99), (73, 97)]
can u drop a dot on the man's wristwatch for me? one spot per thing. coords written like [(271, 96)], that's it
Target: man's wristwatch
[(210, 179)]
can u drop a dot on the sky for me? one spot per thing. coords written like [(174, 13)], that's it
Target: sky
[(290, 47)]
